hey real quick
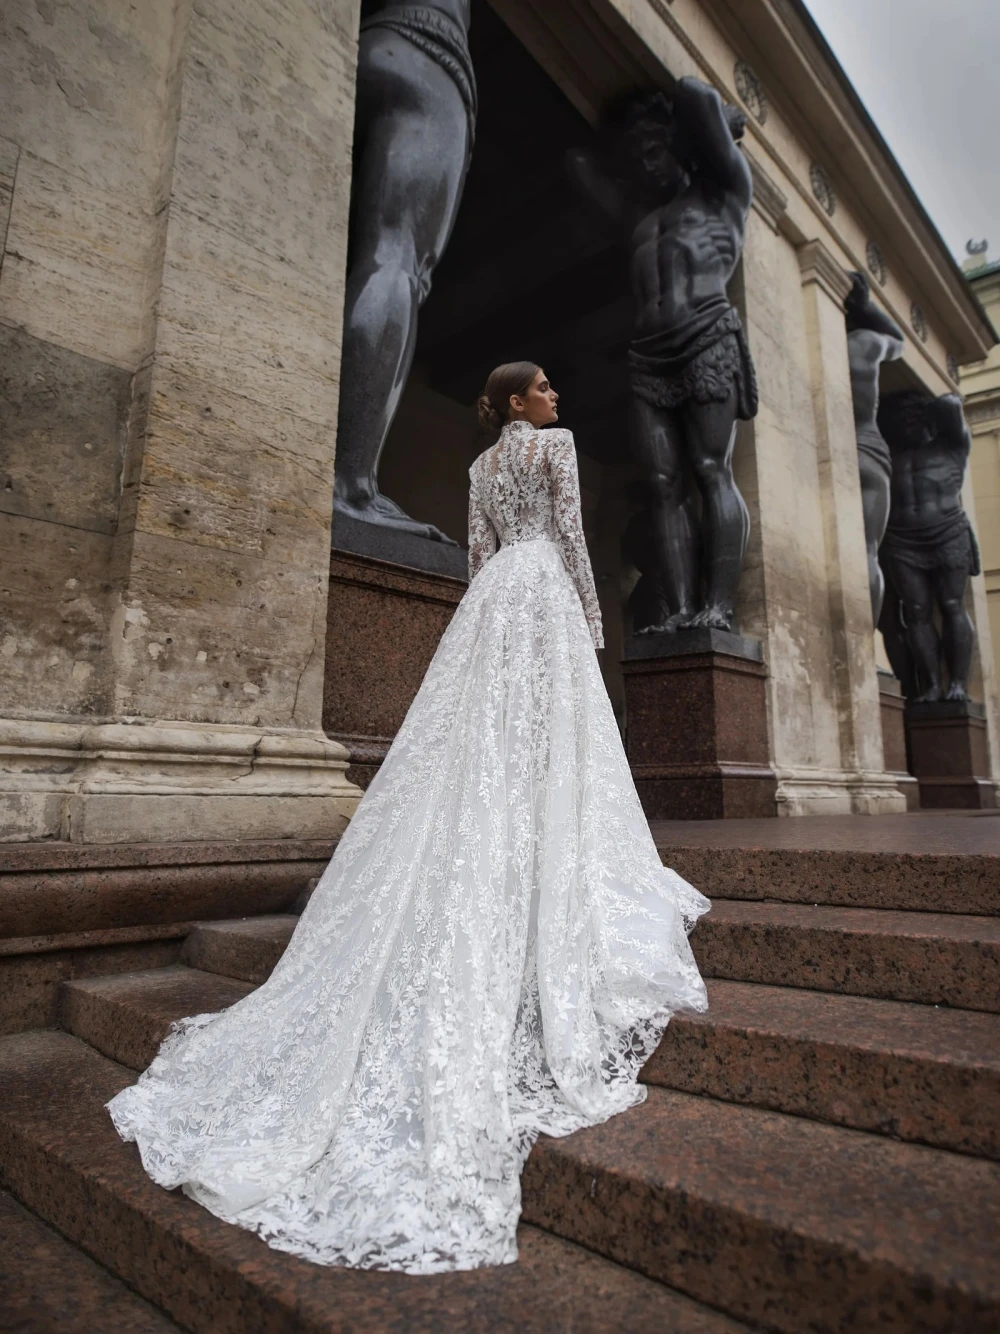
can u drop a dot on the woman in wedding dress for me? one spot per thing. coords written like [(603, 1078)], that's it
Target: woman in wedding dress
[(493, 951)]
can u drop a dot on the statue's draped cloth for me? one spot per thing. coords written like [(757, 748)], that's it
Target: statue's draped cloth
[(442, 38), (947, 543), (699, 360)]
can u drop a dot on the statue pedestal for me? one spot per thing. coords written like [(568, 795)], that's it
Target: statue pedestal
[(892, 708), (949, 756), (398, 547), (696, 724), (383, 624)]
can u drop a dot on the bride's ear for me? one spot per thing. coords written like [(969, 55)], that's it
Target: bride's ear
[(516, 403)]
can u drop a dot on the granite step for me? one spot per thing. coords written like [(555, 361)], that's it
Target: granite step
[(929, 958), (916, 863), (916, 1072), (60, 1155), (47, 1286), (247, 948), (126, 1016), (783, 1222)]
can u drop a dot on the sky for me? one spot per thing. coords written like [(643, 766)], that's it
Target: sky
[(929, 75)]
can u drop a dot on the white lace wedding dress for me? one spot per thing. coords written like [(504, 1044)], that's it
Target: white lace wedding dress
[(492, 952)]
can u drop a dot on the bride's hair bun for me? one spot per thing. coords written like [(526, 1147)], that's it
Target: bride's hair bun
[(493, 405), (488, 415)]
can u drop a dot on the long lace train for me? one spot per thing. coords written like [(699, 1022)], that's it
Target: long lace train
[(493, 951)]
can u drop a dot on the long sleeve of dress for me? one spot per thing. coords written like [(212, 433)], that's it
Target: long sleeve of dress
[(482, 534), (569, 523)]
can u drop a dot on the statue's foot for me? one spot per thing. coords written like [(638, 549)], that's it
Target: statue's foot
[(678, 621), (957, 691), (373, 507), (712, 618), (933, 696)]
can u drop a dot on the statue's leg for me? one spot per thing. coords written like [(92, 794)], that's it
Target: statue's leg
[(875, 484), (410, 152), (659, 447), (917, 596), (710, 431), (957, 631)]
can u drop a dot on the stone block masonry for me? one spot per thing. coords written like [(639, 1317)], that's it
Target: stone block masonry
[(174, 184)]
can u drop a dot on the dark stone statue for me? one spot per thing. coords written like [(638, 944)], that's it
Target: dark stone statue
[(872, 337), (672, 176), (414, 126), (929, 549)]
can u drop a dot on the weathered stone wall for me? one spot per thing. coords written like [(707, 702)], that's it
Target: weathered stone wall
[(178, 180), (90, 98)]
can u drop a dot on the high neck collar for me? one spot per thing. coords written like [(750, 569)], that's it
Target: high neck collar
[(517, 427)]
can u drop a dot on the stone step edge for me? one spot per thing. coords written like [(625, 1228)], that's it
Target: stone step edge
[(689, 1061), (674, 1237), (942, 882)]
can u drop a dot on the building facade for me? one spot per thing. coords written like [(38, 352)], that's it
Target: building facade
[(981, 388), (174, 191)]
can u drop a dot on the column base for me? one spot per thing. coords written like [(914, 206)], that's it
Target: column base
[(163, 781), (838, 792)]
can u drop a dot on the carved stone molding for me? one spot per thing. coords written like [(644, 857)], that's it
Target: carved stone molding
[(954, 370), (876, 262), (751, 91), (822, 188), (918, 321), (768, 200), (819, 266), (977, 414)]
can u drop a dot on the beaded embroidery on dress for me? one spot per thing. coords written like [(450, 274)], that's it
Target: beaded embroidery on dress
[(492, 952)]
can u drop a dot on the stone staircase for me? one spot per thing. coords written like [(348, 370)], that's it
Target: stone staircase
[(820, 1152)]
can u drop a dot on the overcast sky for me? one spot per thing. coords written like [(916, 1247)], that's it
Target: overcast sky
[(929, 74)]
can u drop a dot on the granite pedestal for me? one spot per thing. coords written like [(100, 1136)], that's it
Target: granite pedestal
[(892, 709), (949, 755), (696, 725), (383, 624)]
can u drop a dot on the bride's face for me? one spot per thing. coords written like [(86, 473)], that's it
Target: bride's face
[(537, 404)]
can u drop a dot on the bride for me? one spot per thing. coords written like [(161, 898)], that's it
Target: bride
[(492, 952)]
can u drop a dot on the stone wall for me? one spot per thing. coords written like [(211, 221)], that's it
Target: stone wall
[(177, 180)]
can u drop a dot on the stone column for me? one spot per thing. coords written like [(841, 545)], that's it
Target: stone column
[(802, 591), (170, 309), (855, 671)]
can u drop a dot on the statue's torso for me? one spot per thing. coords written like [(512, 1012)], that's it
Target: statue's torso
[(683, 255), (926, 484)]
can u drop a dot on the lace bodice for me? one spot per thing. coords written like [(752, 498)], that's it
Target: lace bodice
[(526, 487)]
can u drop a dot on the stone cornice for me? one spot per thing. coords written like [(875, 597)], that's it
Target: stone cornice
[(808, 87), (819, 266)]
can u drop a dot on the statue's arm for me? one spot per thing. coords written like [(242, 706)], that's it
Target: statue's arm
[(698, 110), (863, 313), (951, 424), (591, 182), (482, 534)]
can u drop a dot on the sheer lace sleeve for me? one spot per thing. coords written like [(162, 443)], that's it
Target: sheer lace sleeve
[(482, 534), (569, 523)]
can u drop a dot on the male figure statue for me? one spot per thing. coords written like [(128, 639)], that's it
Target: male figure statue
[(682, 190), (414, 125), (929, 550), (872, 337)]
